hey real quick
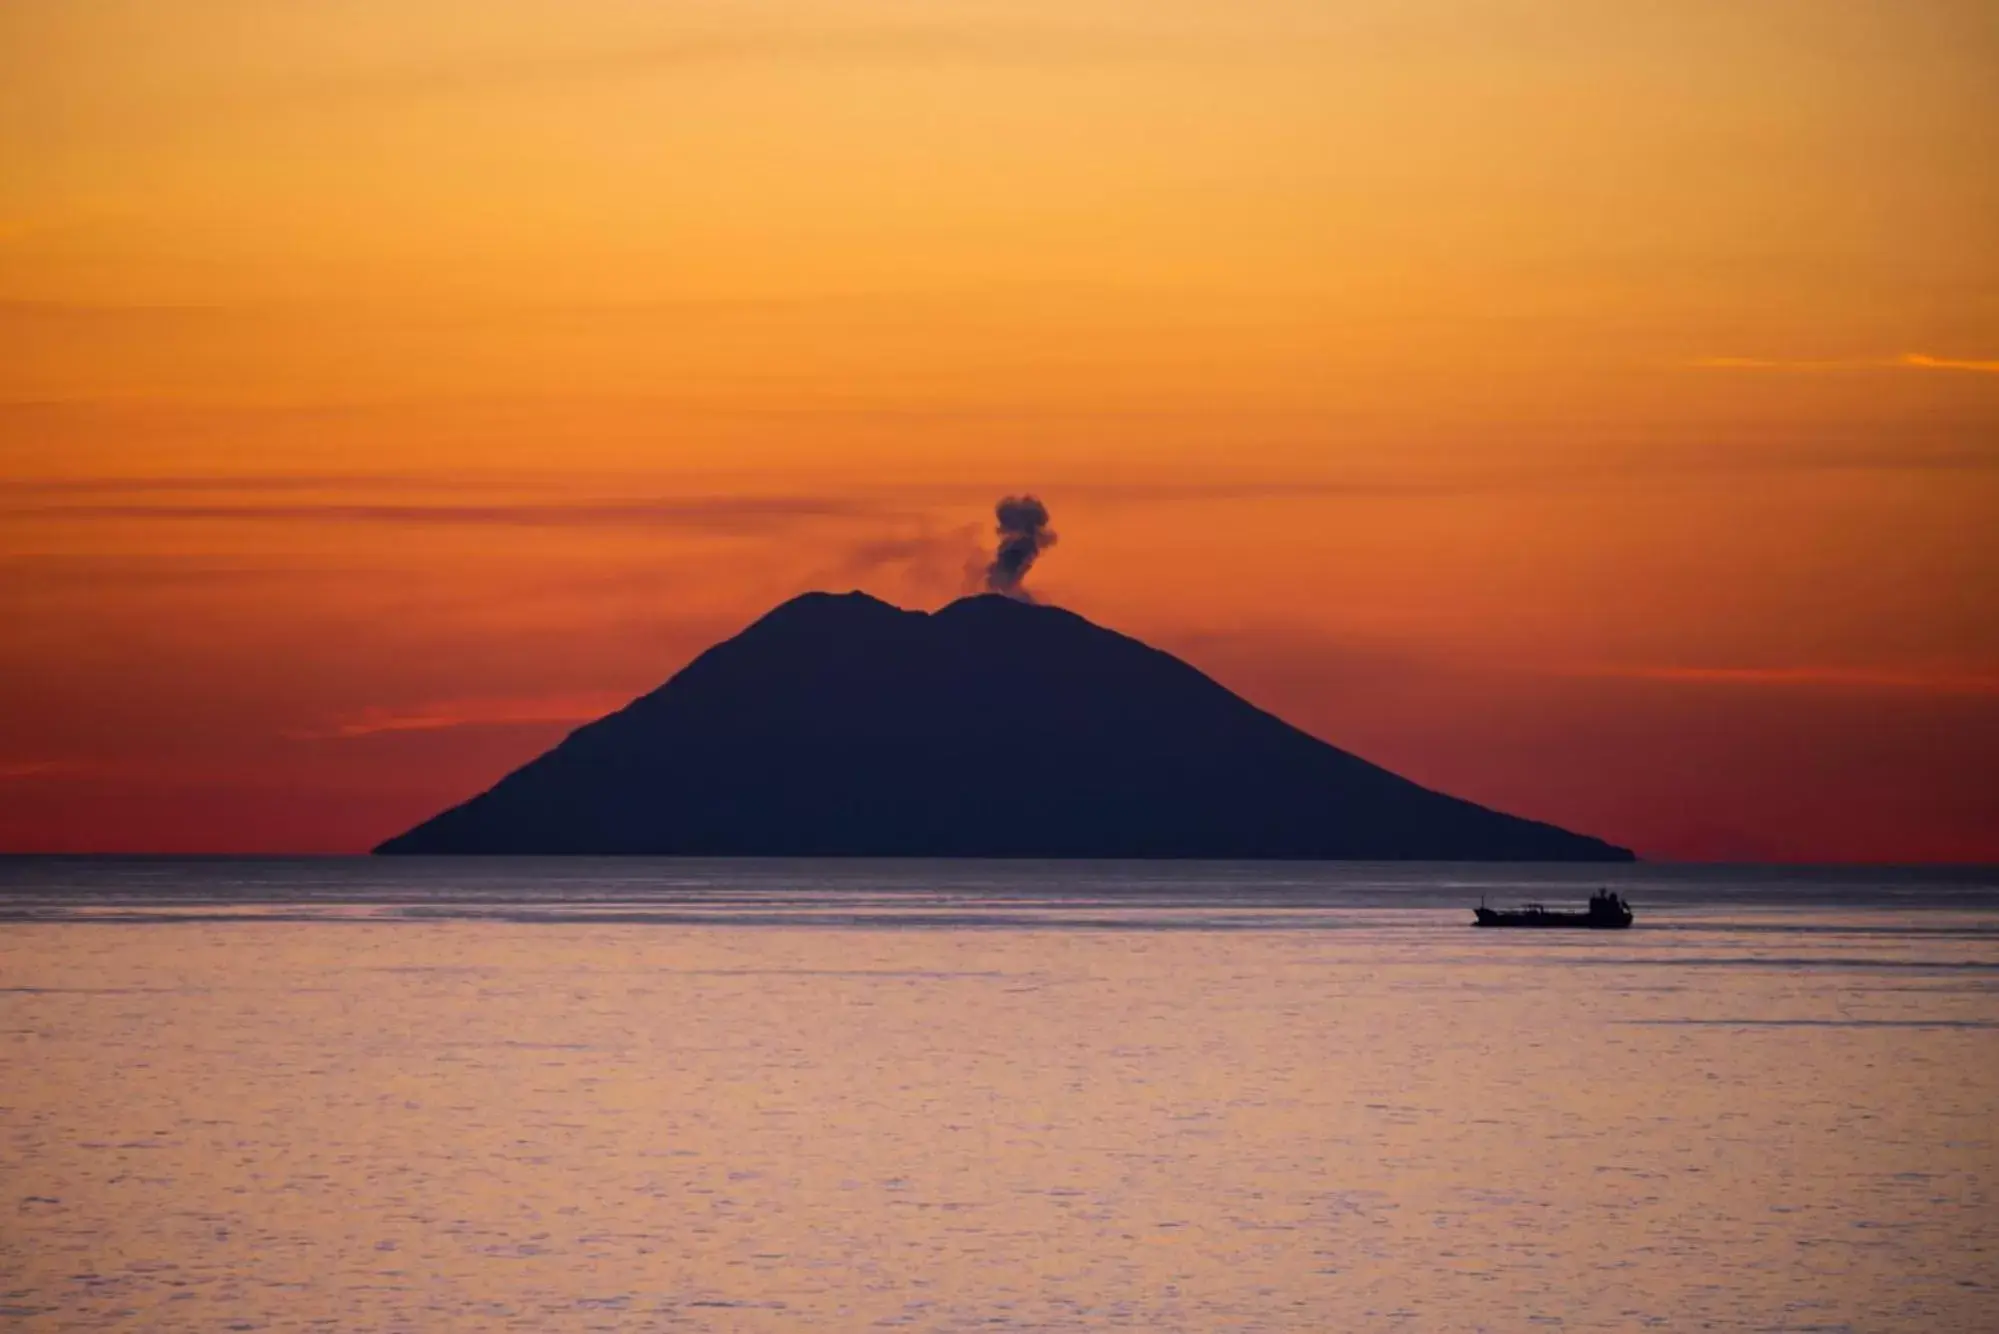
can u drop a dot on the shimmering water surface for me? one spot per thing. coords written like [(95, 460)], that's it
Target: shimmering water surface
[(775, 1096)]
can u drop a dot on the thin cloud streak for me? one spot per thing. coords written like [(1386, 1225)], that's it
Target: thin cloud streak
[(1544, 478), (93, 573), (443, 715), (253, 498), (722, 514), (17, 770), (1921, 361), (135, 484), (1811, 677)]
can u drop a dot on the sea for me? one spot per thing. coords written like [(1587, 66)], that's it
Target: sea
[(443, 1095)]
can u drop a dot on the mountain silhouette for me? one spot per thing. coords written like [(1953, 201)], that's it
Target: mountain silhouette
[(839, 725)]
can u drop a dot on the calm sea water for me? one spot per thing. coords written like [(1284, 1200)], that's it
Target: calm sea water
[(362, 1095)]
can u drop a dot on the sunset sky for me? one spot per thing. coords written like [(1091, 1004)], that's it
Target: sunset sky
[(1592, 410)]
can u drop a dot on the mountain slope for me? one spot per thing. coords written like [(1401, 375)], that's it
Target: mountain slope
[(840, 725)]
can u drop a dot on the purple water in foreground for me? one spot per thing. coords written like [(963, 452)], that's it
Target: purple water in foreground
[(769, 1096)]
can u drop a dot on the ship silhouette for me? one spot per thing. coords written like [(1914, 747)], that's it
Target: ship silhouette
[(1606, 912)]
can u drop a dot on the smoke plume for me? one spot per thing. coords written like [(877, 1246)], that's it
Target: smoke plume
[(1023, 534)]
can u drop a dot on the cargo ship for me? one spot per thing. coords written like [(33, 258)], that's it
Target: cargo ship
[(1607, 912)]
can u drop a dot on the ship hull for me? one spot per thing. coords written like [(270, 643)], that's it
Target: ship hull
[(1556, 921)]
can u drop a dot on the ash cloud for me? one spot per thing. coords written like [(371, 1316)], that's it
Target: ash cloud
[(1023, 532)]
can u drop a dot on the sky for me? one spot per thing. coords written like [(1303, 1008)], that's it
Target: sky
[(1592, 410)]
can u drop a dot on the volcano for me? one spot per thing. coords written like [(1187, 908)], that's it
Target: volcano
[(839, 725)]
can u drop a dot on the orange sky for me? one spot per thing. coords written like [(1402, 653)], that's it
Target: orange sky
[(1592, 410)]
